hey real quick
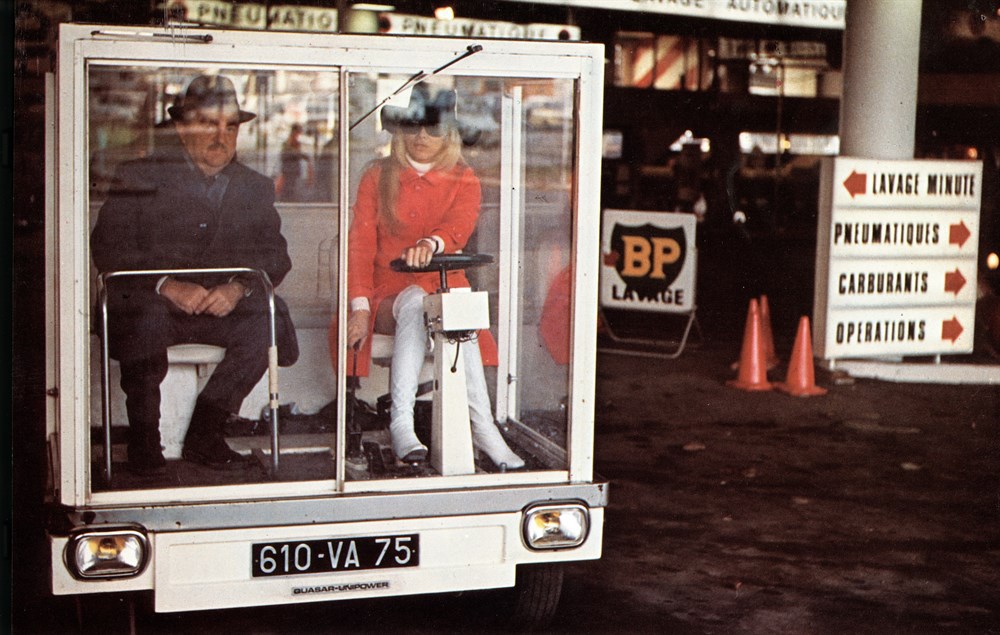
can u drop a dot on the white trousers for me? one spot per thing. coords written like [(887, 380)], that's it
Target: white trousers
[(411, 344)]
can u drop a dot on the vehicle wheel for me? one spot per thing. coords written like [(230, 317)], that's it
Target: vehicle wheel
[(532, 602), (105, 614)]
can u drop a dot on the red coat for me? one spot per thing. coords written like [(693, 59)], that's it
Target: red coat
[(554, 324), (440, 203)]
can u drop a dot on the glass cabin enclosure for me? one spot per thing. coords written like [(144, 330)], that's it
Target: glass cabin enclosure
[(535, 110)]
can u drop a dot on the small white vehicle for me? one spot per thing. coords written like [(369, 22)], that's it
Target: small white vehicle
[(325, 511)]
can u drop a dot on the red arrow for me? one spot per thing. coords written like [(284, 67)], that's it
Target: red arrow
[(951, 329), (958, 234), (856, 183), (953, 281)]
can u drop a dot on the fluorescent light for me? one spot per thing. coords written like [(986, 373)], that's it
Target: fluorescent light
[(444, 13), (371, 6)]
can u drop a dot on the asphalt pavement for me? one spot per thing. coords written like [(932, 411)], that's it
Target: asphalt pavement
[(872, 509)]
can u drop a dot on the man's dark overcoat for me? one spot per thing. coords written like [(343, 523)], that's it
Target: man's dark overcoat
[(157, 216)]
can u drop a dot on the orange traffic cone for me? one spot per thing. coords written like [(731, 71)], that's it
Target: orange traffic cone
[(801, 381), (753, 366), (765, 329)]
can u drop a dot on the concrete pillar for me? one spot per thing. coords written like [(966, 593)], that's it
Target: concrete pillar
[(878, 107)]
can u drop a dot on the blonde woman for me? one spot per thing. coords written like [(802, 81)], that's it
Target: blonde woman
[(421, 200)]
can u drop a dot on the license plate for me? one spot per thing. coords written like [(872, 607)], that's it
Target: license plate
[(334, 554)]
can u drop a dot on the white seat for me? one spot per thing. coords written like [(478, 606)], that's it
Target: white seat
[(382, 349), (195, 354), (377, 386), (190, 365)]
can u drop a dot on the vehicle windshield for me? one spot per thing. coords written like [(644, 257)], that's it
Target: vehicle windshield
[(181, 165)]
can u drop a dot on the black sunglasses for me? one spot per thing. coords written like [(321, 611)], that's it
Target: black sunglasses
[(436, 131)]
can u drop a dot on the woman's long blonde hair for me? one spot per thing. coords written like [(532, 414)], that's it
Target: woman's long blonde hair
[(396, 162)]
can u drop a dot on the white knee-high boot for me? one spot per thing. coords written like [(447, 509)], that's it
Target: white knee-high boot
[(485, 434), (408, 350)]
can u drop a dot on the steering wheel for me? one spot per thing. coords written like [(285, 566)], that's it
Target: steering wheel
[(444, 263)]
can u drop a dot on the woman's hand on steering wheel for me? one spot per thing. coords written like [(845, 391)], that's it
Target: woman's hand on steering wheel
[(418, 256)]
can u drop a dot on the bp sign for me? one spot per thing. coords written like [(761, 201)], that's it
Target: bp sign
[(648, 261)]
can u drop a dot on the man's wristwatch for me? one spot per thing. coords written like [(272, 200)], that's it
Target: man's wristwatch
[(159, 283), (247, 287)]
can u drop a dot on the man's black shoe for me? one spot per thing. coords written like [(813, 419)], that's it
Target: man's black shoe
[(214, 453), (146, 463)]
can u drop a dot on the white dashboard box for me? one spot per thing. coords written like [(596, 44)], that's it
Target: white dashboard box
[(460, 309)]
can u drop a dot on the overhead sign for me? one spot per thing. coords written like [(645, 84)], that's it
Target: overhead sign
[(278, 17), (648, 261), (290, 17), (403, 24), (896, 257), (820, 14)]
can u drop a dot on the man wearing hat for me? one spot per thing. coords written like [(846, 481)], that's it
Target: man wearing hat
[(192, 205)]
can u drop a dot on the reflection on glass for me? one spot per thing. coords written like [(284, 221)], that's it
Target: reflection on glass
[(185, 165), (544, 286), (420, 202), (504, 188), (436, 150), (128, 118)]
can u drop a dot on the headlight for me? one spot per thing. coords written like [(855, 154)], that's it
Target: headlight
[(107, 553), (555, 526)]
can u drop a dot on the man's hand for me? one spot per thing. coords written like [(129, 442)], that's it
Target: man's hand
[(357, 327), (186, 296), (194, 299), (221, 300)]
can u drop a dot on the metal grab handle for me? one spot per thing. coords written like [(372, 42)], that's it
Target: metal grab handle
[(272, 353)]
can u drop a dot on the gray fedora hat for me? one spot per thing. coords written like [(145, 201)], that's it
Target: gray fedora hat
[(429, 111), (208, 91)]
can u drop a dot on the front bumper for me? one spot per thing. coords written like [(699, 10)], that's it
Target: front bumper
[(194, 565)]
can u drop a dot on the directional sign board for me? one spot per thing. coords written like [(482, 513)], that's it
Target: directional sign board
[(648, 261), (896, 257)]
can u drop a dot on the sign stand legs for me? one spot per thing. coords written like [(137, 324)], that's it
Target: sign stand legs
[(678, 347)]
